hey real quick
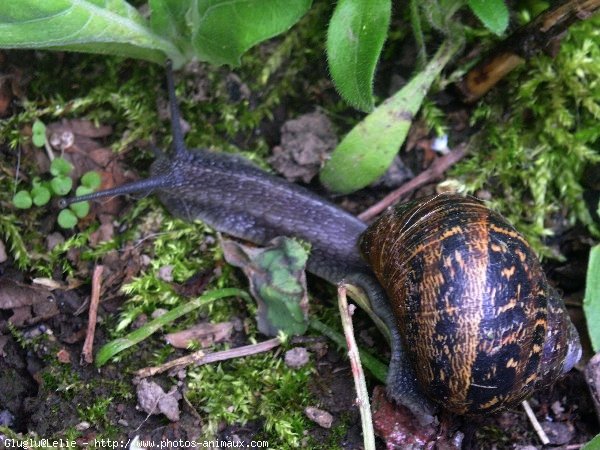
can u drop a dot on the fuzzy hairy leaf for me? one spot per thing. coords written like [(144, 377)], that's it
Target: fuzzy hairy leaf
[(368, 149), (357, 31), (492, 13), (591, 302), (594, 444)]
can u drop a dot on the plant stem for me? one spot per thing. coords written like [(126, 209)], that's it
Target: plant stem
[(415, 20)]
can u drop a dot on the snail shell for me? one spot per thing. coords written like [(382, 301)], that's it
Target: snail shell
[(478, 320)]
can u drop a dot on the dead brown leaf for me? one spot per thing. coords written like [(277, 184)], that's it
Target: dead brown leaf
[(154, 400), (204, 334), (29, 304), (305, 145)]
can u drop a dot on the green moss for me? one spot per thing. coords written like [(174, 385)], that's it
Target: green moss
[(336, 436), (255, 388), (13, 237), (96, 413), (186, 249), (540, 136)]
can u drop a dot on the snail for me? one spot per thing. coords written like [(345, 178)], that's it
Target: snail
[(475, 326)]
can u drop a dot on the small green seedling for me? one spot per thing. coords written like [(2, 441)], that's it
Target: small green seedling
[(59, 185), (22, 200), (38, 133)]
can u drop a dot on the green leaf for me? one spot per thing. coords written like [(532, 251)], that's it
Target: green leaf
[(112, 348), (368, 149), (60, 166), (96, 26), (61, 185), (168, 19), (492, 13), (277, 282), (357, 31), (591, 301), (38, 133), (91, 179), (80, 209), (66, 219), (22, 200), (224, 29), (41, 195), (83, 190), (594, 444)]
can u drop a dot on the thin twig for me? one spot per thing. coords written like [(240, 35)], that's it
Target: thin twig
[(536, 425), (199, 358), (86, 352), (362, 396), (536, 36), (437, 168)]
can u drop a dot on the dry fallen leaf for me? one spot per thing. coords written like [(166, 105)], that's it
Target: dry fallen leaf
[(305, 144), (29, 304), (204, 334), (154, 400)]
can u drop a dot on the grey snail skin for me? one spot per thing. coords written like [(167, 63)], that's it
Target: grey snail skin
[(475, 326)]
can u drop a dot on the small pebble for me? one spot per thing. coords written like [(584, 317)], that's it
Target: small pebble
[(82, 426), (6, 418), (440, 144), (296, 357), (165, 273), (319, 416), (559, 433), (53, 239), (158, 312), (3, 255)]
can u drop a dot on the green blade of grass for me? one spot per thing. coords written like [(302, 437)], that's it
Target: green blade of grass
[(118, 345)]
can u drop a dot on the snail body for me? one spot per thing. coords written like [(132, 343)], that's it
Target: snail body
[(475, 325)]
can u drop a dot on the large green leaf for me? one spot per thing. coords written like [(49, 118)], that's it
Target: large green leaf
[(594, 444), (357, 31), (492, 13), (168, 19), (591, 301), (224, 29), (368, 149), (96, 26), (217, 31)]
